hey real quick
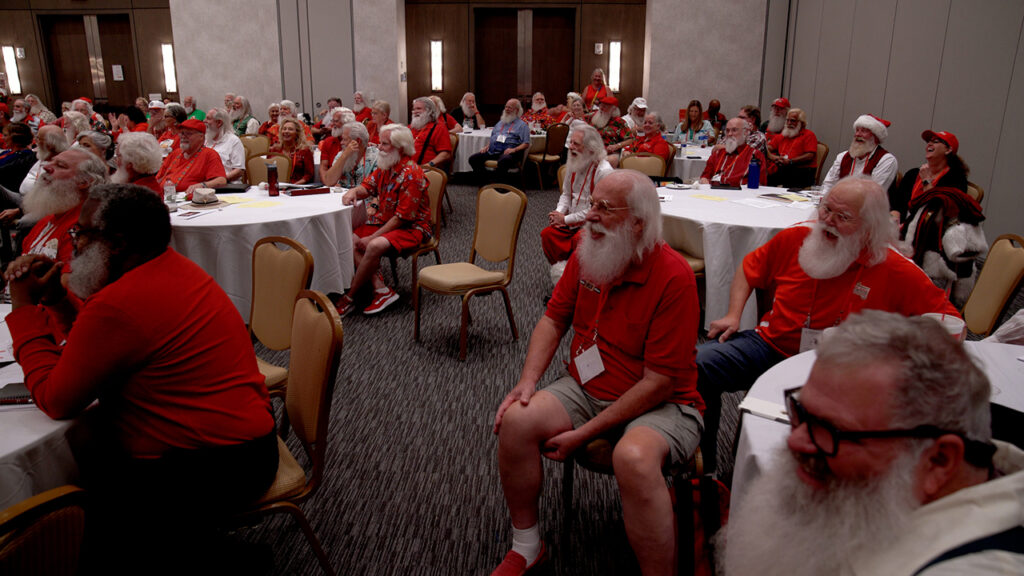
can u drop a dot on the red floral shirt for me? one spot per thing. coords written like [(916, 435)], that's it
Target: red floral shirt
[(615, 131), (400, 191)]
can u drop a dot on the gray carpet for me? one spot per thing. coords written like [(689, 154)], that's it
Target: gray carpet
[(412, 483)]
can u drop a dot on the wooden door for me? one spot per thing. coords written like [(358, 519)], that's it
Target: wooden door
[(554, 44), (495, 59), (67, 57), (117, 47)]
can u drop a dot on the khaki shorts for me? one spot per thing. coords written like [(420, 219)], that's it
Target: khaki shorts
[(680, 425)]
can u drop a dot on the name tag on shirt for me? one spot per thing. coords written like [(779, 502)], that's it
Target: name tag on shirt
[(861, 290), (501, 138), (588, 364), (809, 339)]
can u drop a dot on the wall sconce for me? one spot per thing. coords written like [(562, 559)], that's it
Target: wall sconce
[(11, 63), (614, 65), (436, 66), (170, 78)]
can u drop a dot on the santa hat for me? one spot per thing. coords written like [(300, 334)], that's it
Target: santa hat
[(876, 125)]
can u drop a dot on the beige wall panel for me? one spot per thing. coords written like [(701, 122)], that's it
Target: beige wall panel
[(825, 112), (380, 52), (330, 48), (294, 68), (18, 28), (772, 85), (806, 39)]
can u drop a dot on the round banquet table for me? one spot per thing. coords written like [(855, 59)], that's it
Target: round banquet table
[(220, 240), (688, 163), (723, 226), (471, 142), (759, 436)]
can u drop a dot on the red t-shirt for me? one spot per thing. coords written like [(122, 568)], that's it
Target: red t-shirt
[(591, 96), (895, 285), (184, 172), (164, 350), (364, 115), (648, 319), (733, 167), (655, 144), (803, 143), (439, 142), (50, 237), (150, 182), (329, 148)]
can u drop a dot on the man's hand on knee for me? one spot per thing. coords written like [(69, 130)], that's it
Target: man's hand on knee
[(561, 446), (521, 393)]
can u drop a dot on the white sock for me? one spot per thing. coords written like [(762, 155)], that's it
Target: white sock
[(527, 542), (383, 290)]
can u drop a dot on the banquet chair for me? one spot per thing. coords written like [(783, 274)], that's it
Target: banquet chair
[(438, 184), (561, 175), (536, 145), (255, 145), (822, 154), (256, 168), (697, 265), (552, 152), (278, 275), (645, 162), (42, 535), (999, 279), (317, 339), (451, 170), (596, 456), (499, 216), (975, 191)]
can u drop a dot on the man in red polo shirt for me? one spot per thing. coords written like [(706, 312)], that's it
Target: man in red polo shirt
[(793, 153), (433, 145), (730, 162), (193, 165), (632, 304)]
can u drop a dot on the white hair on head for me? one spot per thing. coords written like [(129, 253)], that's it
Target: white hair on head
[(76, 122), (272, 106), (382, 106), (289, 104), (401, 138), (50, 141), (141, 150), (464, 96), (429, 105), (357, 131), (592, 142), (657, 119), (222, 115), (86, 103), (642, 197), (877, 225)]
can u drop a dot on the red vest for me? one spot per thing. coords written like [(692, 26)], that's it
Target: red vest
[(846, 166)]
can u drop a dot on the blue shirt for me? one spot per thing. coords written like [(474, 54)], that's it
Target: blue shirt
[(515, 134)]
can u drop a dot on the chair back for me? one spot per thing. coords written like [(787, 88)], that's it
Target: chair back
[(820, 157), (975, 191), (43, 534), (256, 168), (999, 279), (557, 133), (499, 216), (278, 275), (454, 137), (438, 182), (645, 162), (561, 175), (317, 339), (255, 145)]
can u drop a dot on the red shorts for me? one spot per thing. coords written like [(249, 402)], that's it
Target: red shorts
[(400, 239)]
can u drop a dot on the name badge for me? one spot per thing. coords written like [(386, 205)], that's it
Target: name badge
[(501, 138), (809, 339), (588, 364), (861, 290), (716, 178)]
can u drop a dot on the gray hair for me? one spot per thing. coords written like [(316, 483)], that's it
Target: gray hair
[(877, 226), (225, 123), (357, 131), (176, 111), (429, 105), (92, 170), (592, 142), (76, 121), (88, 105), (401, 138), (382, 106), (604, 77), (246, 108), (519, 107), (463, 101), (141, 150), (642, 198), (439, 103), (288, 104), (272, 106), (938, 383), (574, 97), (657, 119), (98, 138), (50, 141)]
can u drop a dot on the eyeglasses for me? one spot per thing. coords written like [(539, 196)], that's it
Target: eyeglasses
[(76, 232), (603, 208), (826, 436), (842, 217)]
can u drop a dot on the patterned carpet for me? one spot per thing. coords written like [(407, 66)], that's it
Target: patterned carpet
[(412, 483)]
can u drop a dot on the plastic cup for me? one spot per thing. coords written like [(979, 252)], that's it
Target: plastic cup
[(955, 326)]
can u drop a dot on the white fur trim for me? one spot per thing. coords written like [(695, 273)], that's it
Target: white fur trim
[(557, 269), (964, 242), (871, 123)]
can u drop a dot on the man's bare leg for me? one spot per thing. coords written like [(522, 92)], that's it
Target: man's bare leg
[(646, 502)]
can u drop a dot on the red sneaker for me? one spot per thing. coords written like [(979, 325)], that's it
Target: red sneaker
[(381, 301), (514, 563), (345, 306)]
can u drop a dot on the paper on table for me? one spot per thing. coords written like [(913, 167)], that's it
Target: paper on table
[(11, 374), (758, 202), (664, 197), (232, 199), (707, 197), (6, 343), (261, 204), (764, 409)]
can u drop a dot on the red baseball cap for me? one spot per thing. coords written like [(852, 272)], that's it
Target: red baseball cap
[(611, 100), (781, 103), (948, 137), (193, 124)]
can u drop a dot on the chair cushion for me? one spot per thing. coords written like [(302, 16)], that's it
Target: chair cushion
[(290, 478), (274, 376), (458, 276)]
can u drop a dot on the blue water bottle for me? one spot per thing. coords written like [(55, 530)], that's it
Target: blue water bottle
[(754, 174)]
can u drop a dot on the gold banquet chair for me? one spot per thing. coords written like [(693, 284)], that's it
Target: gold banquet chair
[(317, 339), (561, 175), (256, 168), (645, 162), (278, 275), (438, 184), (552, 151), (499, 216), (820, 157), (536, 145), (998, 280), (42, 535), (975, 191), (255, 145)]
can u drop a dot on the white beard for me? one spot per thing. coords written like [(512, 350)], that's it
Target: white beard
[(282, 117), (599, 120), (785, 527), (821, 258), (357, 108), (350, 163), (639, 120), (190, 109), (18, 117), (120, 177), (51, 197), (466, 112), (776, 123), (235, 115), (386, 161), (602, 261), (860, 148), (507, 118), (418, 122), (336, 132), (790, 132), (90, 270), (731, 144), (539, 107), (578, 162)]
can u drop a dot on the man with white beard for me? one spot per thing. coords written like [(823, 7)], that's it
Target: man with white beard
[(609, 123), (193, 110), (50, 141), (21, 111), (632, 304), (793, 153), (84, 107), (354, 161), (777, 118), (397, 216), (467, 113), (242, 120), (889, 466), (330, 145), (866, 155), (360, 108), (229, 99), (585, 167), (729, 163), (222, 139), (635, 114), (433, 145), (138, 160), (817, 273), (538, 112), (192, 165), (510, 139)]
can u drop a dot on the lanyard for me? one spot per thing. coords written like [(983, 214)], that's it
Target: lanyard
[(602, 299), (184, 170), (844, 310), (727, 171), (592, 172)]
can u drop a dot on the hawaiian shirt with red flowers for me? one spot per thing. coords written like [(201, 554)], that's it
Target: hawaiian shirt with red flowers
[(615, 131), (400, 191)]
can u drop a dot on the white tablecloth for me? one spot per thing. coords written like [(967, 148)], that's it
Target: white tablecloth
[(714, 225), (760, 437), (471, 142), (689, 162), (221, 240)]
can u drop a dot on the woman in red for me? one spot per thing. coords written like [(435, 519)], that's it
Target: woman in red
[(596, 89), (294, 146)]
